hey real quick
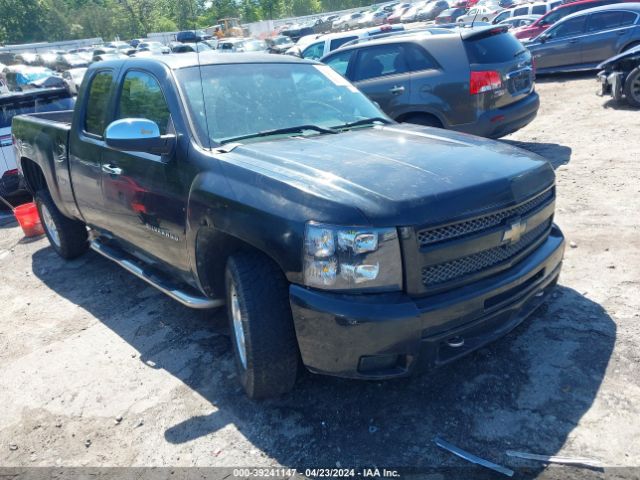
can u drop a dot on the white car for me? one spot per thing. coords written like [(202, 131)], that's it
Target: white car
[(74, 78), (480, 14), (521, 21), (327, 43), (538, 8)]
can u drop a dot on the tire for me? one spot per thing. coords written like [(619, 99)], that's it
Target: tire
[(485, 19), (632, 87), (69, 238), (260, 320), (424, 120)]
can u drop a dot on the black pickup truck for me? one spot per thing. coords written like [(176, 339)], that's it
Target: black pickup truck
[(337, 238)]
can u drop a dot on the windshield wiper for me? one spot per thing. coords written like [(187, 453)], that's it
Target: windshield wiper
[(279, 131), (364, 121)]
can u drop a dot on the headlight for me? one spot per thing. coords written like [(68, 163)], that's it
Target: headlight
[(345, 258)]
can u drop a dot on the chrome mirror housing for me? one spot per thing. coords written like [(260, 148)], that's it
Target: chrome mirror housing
[(138, 135)]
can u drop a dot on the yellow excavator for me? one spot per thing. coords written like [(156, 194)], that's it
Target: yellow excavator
[(228, 27)]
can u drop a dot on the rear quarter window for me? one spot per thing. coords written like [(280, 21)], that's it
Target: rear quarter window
[(521, 11), (493, 49)]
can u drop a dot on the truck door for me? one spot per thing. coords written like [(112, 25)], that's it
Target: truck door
[(86, 144), (146, 194)]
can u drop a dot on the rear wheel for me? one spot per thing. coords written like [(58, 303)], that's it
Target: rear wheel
[(67, 237), (632, 87), (263, 336), (485, 19), (423, 119)]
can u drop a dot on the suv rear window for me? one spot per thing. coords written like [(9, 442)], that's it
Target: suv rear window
[(492, 49)]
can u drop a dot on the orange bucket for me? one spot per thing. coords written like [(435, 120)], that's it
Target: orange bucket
[(29, 220)]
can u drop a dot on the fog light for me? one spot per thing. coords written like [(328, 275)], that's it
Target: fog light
[(374, 363)]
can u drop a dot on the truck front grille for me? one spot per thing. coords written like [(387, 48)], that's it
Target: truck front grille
[(464, 228), (461, 267)]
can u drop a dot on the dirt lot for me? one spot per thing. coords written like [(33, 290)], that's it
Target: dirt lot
[(97, 368)]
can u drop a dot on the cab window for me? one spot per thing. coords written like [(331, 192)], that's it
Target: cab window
[(97, 103), (141, 97)]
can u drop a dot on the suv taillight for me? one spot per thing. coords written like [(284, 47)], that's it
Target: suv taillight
[(484, 81)]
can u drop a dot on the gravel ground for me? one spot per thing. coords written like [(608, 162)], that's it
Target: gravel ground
[(99, 369)]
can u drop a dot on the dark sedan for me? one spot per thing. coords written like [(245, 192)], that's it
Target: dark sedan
[(450, 15), (584, 39)]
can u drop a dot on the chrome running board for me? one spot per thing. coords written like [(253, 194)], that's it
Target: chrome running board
[(185, 295)]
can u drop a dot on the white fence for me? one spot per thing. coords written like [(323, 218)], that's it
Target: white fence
[(46, 46)]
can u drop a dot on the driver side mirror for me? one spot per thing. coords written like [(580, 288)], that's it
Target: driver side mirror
[(543, 38), (138, 135)]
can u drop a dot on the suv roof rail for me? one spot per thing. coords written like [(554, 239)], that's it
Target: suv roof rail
[(395, 34)]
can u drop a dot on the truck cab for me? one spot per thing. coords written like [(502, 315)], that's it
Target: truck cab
[(336, 238)]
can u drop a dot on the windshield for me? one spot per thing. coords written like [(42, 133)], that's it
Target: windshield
[(242, 100)]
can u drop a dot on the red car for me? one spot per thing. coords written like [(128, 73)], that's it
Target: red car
[(398, 12), (558, 13)]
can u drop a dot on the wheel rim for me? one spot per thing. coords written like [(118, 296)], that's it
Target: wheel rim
[(238, 331), (635, 88), (50, 225)]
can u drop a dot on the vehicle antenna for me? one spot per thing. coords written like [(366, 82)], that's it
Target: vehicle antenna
[(204, 105), (475, 16)]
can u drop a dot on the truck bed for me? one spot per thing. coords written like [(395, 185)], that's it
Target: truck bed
[(62, 117)]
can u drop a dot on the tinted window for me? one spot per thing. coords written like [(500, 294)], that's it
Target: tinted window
[(418, 59), (608, 20), (570, 27), (520, 11), (379, 61), (315, 51), (338, 42), (141, 97), (538, 10), (501, 17), (340, 61), (97, 103), (498, 48)]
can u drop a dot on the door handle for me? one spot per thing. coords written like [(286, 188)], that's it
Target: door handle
[(111, 170), (397, 90), (573, 40)]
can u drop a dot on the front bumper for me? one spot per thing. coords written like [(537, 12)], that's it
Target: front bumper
[(392, 335), (498, 122), (611, 83)]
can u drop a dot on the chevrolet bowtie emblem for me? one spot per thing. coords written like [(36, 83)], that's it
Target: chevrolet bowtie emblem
[(514, 232)]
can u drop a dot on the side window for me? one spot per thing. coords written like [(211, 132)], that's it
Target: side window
[(141, 97), (627, 18), (338, 42), (379, 61), (97, 103), (418, 59), (520, 11), (314, 52), (574, 26), (340, 61), (501, 17), (538, 10)]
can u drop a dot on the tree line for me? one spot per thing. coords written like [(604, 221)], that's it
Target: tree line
[(25, 21)]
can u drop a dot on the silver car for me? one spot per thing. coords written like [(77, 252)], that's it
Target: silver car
[(584, 39)]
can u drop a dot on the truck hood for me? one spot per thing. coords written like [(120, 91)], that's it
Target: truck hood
[(402, 174)]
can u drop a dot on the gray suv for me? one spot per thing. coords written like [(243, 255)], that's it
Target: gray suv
[(478, 81)]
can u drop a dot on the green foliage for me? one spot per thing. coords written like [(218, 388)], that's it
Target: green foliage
[(23, 21)]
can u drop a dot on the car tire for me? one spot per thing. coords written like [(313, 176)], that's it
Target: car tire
[(423, 119), (262, 332), (485, 19), (632, 87), (69, 238)]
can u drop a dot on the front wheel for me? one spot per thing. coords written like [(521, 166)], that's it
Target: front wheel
[(262, 332), (632, 87), (67, 237)]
